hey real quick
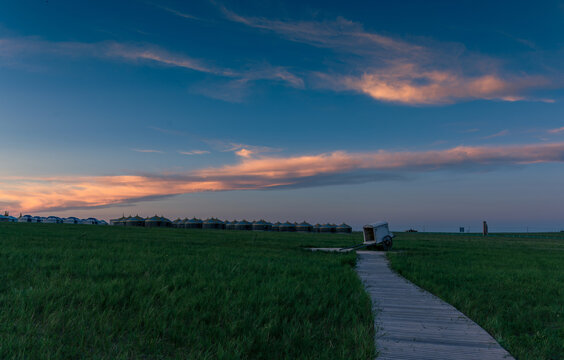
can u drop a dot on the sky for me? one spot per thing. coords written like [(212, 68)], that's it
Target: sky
[(431, 115)]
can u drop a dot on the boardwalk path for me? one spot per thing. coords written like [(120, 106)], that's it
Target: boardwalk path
[(414, 324)]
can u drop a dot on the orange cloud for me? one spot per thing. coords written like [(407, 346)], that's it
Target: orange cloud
[(391, 69), (409, 84), (43, 193)]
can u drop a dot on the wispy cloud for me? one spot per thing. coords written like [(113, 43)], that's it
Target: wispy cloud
[(194, 152), (390, 69), (146, 54), (267, 172), (556, 131), (177, 12), (497, 134), (148, 151)]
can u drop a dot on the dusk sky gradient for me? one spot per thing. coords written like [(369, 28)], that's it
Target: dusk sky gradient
[(438, 114)]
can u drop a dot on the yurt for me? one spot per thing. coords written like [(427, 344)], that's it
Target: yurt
[(326, 228), (184, 224), (89, 221), (316, 228), (344, 229), (154, 221), (193, 223), (230, 225), (102, 222), (276, 226), (243, 225), (177, 223), (135, 221), (304, 227), (209, 224), (219, 224), (118, 222), (287, 226), (25, 219), (53, 220), (262, 225), (13, 219), (165, 222), (71, 220), (4, 218)]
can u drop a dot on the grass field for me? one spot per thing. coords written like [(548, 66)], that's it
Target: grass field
[(513, 287), (93, 292)]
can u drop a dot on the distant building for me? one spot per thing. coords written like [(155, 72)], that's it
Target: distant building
[(118, 222), (287, 227), (243, 225), (53, 220), (344, 229), (89, 221), (193, 223), (262, 225), (328, 228), (155, 221), (71, 220), (304, 227), (135, 221), (165, 222), (25, 219)]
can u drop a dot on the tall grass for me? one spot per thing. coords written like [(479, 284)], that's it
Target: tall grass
[(513, 287), (91, 292)]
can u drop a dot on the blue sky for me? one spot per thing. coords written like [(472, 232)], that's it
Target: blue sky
[(440, 114)]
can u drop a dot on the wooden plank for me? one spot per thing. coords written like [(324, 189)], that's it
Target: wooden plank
[(411, 323)]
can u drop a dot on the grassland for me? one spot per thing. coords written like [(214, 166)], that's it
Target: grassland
[(92, 292), (513, 287)]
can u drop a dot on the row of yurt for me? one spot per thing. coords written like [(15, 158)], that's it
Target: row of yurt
[(243, 225), (8, 218), (58, 220), (138, 221)]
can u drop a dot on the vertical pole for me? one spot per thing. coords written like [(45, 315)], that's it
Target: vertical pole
[(485, 228)]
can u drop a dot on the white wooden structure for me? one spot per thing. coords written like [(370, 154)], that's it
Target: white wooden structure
[(378, 234)]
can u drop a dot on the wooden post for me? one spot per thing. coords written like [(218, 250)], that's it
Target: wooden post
[(485, 228)]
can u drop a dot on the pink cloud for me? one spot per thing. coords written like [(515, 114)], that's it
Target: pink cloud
[(43, 193), (497, 134), (556, 131), (409, 84), (391, 69), (194, 152)]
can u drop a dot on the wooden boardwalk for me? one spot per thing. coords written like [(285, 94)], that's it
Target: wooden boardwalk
[(414, 324)]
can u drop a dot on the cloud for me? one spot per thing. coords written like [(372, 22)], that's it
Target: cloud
[(409, 84), (497, 134), (194, 152), (267, 172), (148, 151), (177, 13), (143, 54), (556, 131), (340, 34), (389, 69), (244, 153)]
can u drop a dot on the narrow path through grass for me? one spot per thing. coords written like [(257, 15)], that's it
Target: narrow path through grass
[(512, 287)]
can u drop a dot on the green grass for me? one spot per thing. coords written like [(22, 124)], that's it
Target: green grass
[(93, 292), (512, 287)]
